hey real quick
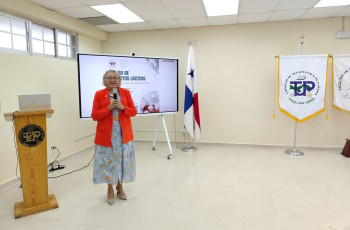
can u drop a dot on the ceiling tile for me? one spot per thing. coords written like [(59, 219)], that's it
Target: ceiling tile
[(169, 24), (54, 4), (322, 12), (345, 12), (80, 12), (287, 15), (113, 28), (185, 8), (146, 10), (194, 22), (296, 4), (98, 2), (139, 26), (255, 6), (257, 17), (223, 20)]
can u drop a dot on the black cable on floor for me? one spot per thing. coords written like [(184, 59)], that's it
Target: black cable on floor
[(58, 166), (73, 170)]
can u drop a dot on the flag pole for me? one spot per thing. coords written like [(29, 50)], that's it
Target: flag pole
[(190, 71), (294, 151)]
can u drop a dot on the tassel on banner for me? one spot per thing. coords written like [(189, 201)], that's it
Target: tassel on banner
[(330, 59)]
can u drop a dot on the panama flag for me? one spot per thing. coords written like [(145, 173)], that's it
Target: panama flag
[(191, 118)]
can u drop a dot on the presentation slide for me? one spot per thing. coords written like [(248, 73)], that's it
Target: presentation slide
[(152, 81)]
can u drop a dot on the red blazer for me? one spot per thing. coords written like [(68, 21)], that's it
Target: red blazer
[(104, 117)]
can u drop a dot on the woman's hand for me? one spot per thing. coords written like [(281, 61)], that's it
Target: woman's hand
[(112, 105), (120, 106), (115, 103)]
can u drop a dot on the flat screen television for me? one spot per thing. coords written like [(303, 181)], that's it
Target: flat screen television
[(152, 81)]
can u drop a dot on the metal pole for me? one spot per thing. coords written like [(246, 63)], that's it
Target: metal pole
[(295, 134), (189, 148), (294, 151)]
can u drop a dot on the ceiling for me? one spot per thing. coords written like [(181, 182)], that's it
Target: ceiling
[(168, 14)]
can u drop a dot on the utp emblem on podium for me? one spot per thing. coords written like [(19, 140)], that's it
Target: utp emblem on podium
[(31, 135)]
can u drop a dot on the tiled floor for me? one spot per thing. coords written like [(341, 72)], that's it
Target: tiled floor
[(216, 187)]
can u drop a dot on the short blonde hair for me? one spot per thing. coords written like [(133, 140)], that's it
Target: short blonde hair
[(110, 71)]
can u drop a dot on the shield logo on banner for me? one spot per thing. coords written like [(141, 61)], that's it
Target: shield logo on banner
[(302, 85)]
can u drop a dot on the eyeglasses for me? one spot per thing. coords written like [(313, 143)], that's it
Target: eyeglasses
[(112, 78)]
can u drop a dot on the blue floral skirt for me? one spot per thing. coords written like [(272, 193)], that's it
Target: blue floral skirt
[(116, 163)]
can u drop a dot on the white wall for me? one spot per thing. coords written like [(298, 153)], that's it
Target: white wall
[(235, 69)]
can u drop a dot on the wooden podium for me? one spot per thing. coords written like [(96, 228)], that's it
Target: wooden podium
[(30, 128)]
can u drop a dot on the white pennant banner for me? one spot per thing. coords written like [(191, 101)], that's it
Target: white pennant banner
[(302, 85), (341, 81)]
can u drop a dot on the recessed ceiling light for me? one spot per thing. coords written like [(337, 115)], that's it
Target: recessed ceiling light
[(118, 12), (326, 3), (221, 7)]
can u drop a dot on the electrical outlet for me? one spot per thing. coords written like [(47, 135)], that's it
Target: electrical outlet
[(53, 147)]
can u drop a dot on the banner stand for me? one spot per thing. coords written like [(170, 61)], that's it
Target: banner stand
[(294, 151), (170, 156)]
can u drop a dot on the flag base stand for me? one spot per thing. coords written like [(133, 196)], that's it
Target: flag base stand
[(190, 146), (188, 149), (294, 152)]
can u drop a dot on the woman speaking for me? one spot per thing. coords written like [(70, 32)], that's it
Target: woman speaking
[(114, 161)]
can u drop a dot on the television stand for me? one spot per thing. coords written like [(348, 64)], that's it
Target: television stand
[(170, 156)]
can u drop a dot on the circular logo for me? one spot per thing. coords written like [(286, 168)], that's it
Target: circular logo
[(301, 87), (124, 64), (344, 84), (31, 135), (112, 64)]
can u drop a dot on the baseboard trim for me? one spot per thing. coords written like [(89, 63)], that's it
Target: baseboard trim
[(249, 144)]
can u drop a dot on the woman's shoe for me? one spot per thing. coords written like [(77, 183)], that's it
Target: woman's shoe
[(110, 201), (122, 197)]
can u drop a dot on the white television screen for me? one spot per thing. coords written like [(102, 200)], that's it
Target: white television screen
[(152, 81)]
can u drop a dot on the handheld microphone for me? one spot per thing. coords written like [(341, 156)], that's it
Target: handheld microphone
[(115, 93)]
